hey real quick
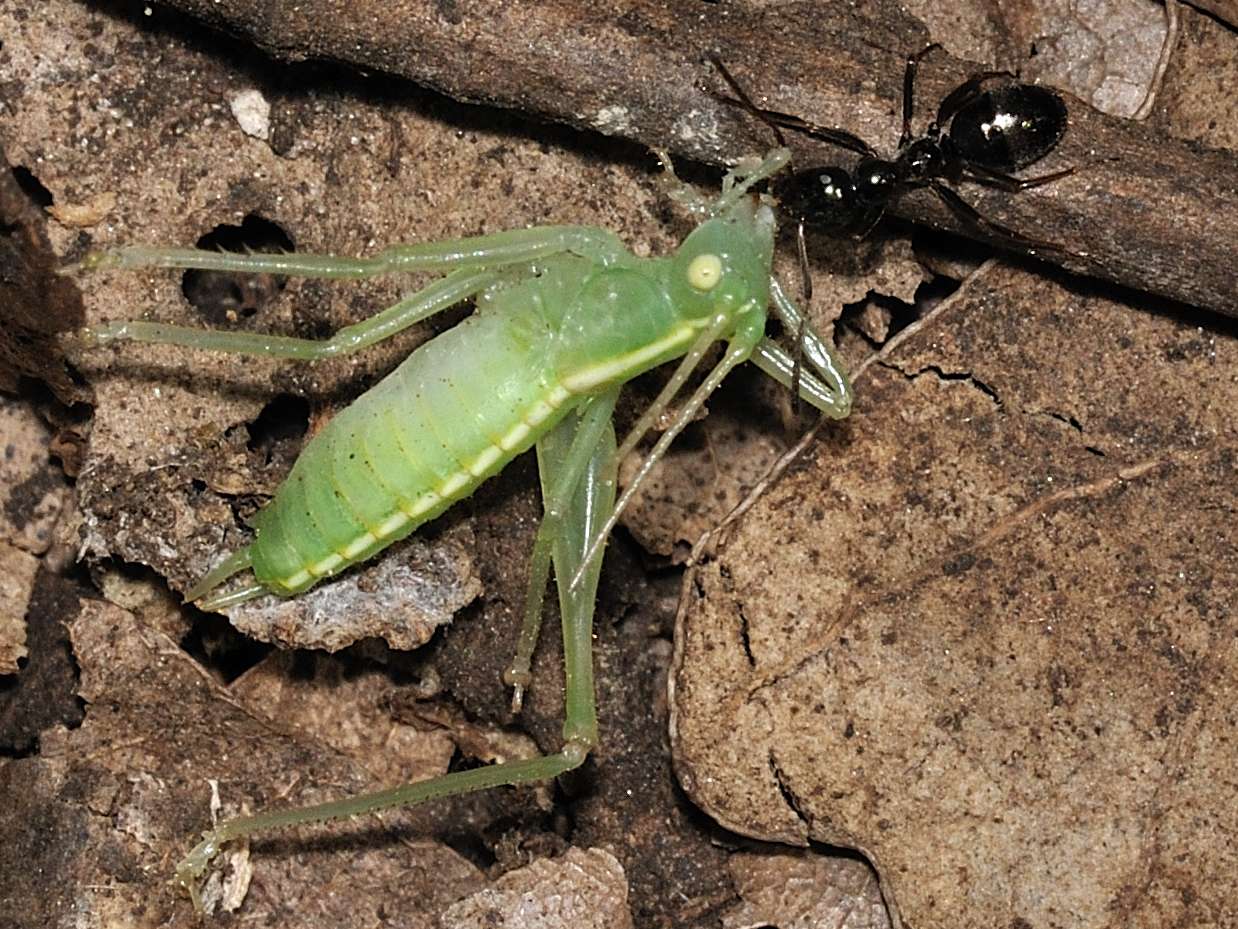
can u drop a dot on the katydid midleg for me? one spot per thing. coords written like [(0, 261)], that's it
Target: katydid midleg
[(565, 316)]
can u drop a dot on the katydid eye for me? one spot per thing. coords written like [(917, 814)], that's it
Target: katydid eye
[(705, 272)]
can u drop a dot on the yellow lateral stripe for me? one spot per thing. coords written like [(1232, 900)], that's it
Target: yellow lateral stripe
[(588, 378), (538, 414), (485, 460), (426, 501), (297, 580), (327, 565), (392, 524), (390, 527), (359, 544), (514, 437), (454, 483)]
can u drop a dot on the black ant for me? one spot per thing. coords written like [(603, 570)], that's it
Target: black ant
[(992, 132)]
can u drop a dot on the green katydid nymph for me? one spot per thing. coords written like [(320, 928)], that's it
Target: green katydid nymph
[(565, 316)]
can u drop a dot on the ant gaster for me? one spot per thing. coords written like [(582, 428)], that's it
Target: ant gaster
[(991, 133)]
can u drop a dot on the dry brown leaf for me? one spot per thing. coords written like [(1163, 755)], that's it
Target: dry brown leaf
[(1194, 99), (581, 890), (33, 489), (804, 890), (983, 636), (36, 303), (345, 708), (33, 492), (17, 571)]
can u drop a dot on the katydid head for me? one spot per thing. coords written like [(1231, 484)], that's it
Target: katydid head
[(723, 266)]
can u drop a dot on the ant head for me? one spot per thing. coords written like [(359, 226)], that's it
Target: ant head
[(823, 198), (924, 158)]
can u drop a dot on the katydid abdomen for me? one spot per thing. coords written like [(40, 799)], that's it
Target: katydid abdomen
[(453, 414), (456, 412)]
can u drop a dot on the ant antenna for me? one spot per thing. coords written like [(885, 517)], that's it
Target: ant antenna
[(742, 98), (746, 103)]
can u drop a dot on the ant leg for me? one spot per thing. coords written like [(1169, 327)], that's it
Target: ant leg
[(805, 273), (806, 280), (990, 178), (868, 222), (964, 94), (970, 216), (909, 81)]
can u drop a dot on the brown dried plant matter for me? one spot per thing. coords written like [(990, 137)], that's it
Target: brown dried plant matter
[(1005, 668), (941, 627)]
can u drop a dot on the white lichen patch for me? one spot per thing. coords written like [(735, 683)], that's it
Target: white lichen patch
[(252, 112), (613, 120)]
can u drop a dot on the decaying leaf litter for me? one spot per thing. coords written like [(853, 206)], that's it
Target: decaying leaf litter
[(177, 787)]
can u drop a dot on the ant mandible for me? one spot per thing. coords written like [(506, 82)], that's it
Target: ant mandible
[(991, 133)]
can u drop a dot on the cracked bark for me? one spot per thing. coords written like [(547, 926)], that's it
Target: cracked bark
[(788, 793), (1143, 210)]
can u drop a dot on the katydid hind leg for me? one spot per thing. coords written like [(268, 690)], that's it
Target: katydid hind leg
[(588, 505), (474, 263), (434, 298), (193, 867), (496, 250), (500, 249), (564, 457)]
